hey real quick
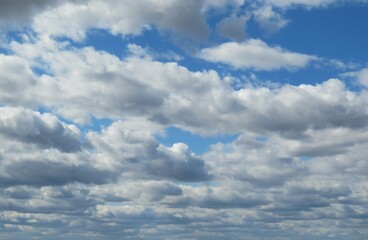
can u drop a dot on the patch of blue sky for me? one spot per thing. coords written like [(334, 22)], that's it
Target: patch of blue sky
[(261, 139), (305, 158), (321, 32), (156, 43), (14, 36), (103, 40), (196, 143), (159, 44), (4, 51), (41, 69), (308, 75), (335, 32), (97, 124), (7, 38)]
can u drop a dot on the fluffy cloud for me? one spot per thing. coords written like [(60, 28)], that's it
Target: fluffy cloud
[(123, 17), (45, 130), (361, 76), (269, 20), (132, 149), (167, 94), (19, 79), (233, 27), (255, 54), (297, 167), (19, 12)]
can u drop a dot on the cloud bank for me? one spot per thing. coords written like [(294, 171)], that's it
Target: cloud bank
[(80, 152)]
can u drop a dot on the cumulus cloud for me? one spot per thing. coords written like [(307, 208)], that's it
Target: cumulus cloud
[(21, 12), (19, 79), (43, 129), (297, 167), (134, 149), (361, 76), (123, 17), (56, 173), (255, 54), (233, 27), (269, 20), (168, 94)]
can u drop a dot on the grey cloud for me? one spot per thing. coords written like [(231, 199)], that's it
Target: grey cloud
[(43, 173), (260, 165), (223, 197), (19, 80), (122, 182), (328, 142), (46, 200), (233, 27), (116, 89), (285, 114), (323, 150), (186, 17), (43, 129), (138, 150), (145, 191), (21, 12), (124, 17), (19, 192), (306, 198), (180, 164)]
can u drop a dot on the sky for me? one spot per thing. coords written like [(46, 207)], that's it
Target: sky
[(184, 120)]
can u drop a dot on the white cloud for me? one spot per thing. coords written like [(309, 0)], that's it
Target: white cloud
[(16, 77), (123, 17), (168, 94), (255, 54), (139, 150), (361, 76), (269, 20), (298, 167)]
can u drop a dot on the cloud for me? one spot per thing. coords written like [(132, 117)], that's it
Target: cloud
[(135, 149), (297, 167), (33, 173), (269, 20), (45, 130), (167, 94), (219, 197), (255, 54), (18, 12), (19, 79), (326, 105), (232, 27), (361, 76), (123, 17)]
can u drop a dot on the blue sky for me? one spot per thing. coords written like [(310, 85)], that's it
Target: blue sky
[(170, 119)]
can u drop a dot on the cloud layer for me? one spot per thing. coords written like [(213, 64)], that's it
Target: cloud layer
[(80, 156)]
